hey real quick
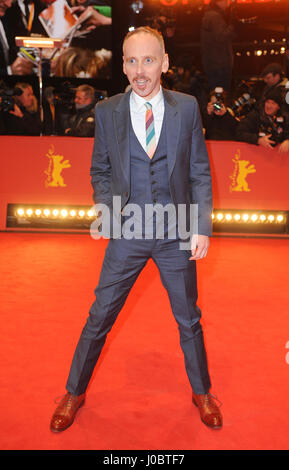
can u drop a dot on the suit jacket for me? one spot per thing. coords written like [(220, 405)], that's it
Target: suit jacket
[(12, 52), (187, 157)]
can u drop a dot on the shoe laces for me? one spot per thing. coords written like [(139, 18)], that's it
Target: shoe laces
[(70, 399), (215, 398)]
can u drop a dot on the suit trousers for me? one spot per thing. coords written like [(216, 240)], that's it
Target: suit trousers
[(124, 260)]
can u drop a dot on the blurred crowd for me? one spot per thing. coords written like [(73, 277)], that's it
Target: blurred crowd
[(255, 111)]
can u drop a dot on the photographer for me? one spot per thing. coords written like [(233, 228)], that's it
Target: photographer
[(273, 77), (81, 124), (24, 118), (218, 120), (267, 125)]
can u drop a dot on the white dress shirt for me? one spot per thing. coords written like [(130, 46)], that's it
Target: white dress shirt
[(138, 113)]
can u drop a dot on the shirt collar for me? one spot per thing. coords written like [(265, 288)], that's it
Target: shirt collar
[(138, 101)]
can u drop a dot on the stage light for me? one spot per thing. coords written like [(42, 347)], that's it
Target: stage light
[(39, 42), (80, 217), (64, 213)]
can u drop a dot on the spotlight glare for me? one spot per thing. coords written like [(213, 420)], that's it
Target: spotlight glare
[(72, 213), (29, 212), (55, 212), (262, 217), (280, 218), (254, 217), (81, 213), (220, 216), (38, 212), (271, 218), (245, 217), (228, 217), (237, 217), (46, 212), (20, 212)]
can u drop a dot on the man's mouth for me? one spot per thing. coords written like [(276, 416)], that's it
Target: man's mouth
[(141, 82)]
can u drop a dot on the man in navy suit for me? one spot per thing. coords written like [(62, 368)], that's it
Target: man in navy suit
[(149, 151)]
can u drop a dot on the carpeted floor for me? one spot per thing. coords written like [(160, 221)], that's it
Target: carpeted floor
[(140, 397)]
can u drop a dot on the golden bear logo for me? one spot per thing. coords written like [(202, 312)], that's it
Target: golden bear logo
[(241, 170), (55, 167)]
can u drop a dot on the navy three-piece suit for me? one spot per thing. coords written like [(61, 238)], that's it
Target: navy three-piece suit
[(178, 173)]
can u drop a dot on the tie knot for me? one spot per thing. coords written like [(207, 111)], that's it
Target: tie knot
[(148, 105)]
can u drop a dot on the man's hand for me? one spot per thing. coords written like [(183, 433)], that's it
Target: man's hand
[(199, 246), (21, 66), (265, 141)]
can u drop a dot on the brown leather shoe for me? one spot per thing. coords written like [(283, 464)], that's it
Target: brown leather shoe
[(209, 411), (65, 412)]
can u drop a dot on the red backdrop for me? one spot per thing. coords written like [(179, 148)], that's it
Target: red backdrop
[(55, 170)]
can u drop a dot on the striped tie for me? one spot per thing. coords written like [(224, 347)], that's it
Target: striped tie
[(150, 131)]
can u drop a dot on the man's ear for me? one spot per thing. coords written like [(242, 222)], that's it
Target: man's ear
[(165, 64)]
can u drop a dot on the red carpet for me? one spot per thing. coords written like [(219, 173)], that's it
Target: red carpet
[(140, 397)]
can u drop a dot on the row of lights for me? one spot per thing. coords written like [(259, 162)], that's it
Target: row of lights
[(218, 216), (55, 213), (260, 52), (248, 218)]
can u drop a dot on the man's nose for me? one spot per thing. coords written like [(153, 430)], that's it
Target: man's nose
[(139, 68)]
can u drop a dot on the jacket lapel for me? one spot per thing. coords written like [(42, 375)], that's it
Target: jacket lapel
[(173, 126)]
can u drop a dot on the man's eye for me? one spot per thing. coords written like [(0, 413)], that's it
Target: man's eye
[(148, 60), (131, 61)]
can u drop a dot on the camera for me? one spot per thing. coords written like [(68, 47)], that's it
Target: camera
[(7, 98), (219, 97), (275, 128)]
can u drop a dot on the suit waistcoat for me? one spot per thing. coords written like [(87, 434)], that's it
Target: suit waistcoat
[(149, 183)]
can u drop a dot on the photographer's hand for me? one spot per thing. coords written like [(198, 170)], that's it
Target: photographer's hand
[(21, 66), (265, 141), (17, 111), (210, 108), (284, 146)]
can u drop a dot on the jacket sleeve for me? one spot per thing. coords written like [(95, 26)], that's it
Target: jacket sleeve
[(200, 175), (100, 170), (248, 128)]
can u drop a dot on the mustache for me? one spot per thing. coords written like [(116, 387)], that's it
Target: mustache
[(140, 77)]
